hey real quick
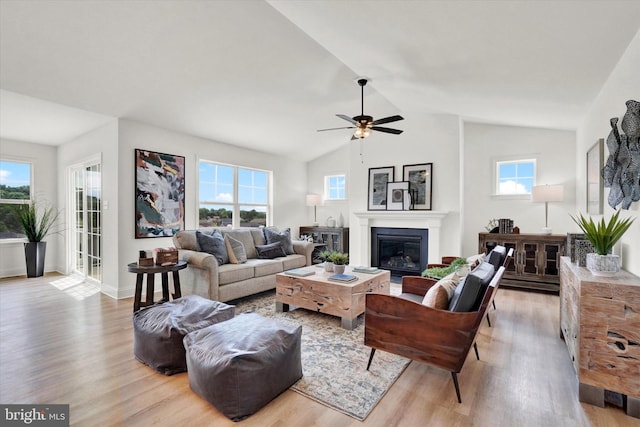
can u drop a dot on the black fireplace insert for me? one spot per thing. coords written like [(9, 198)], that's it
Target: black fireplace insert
[(403, 251)]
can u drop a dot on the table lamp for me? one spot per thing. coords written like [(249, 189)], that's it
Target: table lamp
[(547, 193), (314, 200)]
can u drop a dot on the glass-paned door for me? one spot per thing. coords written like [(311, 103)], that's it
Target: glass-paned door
[(86, 224)]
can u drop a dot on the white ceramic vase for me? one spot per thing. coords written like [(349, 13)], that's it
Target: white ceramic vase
[(328, 266), (603, 265)]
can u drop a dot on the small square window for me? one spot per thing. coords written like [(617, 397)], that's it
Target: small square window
[(515, 176), (335, 187)]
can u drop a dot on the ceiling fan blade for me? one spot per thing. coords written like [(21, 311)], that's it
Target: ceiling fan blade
[(387, 130), (348, 127), (387, 120), (347, 118)]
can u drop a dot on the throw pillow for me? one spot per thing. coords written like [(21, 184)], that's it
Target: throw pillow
[(270, 251), (272, 235), (213, 245), (235, 249), (439, 295)]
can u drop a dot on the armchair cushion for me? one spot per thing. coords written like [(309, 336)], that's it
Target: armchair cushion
[(214, 245), (468, 294), (439, 295), (496, 256)]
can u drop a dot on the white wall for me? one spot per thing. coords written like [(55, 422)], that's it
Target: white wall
[(334, 163), (290, 185), (42, 158), (555, 153), (427, 138), (101, 142), (623, 84)]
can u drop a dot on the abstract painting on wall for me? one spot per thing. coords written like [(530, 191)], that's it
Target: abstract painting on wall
[(159, 194)]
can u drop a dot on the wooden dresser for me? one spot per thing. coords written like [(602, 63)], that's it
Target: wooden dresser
[(600, 323)]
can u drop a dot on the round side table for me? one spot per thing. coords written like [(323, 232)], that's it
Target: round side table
[(150, 271)]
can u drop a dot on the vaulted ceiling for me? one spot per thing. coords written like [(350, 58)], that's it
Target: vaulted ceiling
[(267, 75)]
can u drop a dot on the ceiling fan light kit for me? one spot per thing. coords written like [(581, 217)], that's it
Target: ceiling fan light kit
[(363, 124)]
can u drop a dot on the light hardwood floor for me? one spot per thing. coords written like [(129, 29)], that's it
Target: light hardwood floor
[(56, 348)]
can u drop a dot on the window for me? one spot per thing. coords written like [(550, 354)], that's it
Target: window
[(515, 176), (15, 190), (335, 187), (231, 195)]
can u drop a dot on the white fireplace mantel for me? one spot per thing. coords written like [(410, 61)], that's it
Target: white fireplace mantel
[(431, 220), (433, 217)]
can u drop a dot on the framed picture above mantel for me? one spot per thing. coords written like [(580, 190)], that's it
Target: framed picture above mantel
[(398, 196), (419, 177), (377, 194)]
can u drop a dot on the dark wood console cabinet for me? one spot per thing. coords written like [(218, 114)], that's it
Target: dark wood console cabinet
[(327, 238), (536, 258)]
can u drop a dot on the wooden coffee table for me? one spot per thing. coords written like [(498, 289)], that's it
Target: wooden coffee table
[(318, 293)]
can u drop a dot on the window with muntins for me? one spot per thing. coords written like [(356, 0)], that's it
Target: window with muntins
[(335, 187), (15, 190), (233, 195), (515, 176)]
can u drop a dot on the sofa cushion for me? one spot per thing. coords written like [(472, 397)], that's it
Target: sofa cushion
[(214, 245), (230, 273), (265, 267), (439, 295), (245, 236), (270, 251), (470, 290), (235, 250), (293, 261), (284, 237)]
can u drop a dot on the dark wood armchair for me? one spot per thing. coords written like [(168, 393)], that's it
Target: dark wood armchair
[(407, 328)]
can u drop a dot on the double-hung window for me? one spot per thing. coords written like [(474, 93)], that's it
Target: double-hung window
[(15, 190), (335, 187), (515, 177), (233, 195)]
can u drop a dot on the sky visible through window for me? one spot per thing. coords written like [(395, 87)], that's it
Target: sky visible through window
[(335, 187), (15, 174), (516, 177)]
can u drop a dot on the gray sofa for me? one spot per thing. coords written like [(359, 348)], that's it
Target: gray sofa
[(205, 277)]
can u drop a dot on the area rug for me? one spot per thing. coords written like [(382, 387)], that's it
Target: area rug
[(334, 360)]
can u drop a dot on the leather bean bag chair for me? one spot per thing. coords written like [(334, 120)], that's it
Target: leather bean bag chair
[(158, 330), (242, 364)]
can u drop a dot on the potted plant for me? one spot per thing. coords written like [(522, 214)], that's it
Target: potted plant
[(603, 236), (340, 261), (36, 224), (325, 256)]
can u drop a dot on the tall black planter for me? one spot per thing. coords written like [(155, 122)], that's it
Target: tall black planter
[(34, 253)]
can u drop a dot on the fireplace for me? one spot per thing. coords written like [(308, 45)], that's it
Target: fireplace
[(403, 251)]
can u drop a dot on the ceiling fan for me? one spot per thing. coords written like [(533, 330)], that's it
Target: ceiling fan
[(362, 124)]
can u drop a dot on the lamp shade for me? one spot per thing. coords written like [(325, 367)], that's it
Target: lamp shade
[(547, 193), (314, 199)]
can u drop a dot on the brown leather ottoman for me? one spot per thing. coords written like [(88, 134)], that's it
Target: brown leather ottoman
[(158, 330), (242, 364)]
